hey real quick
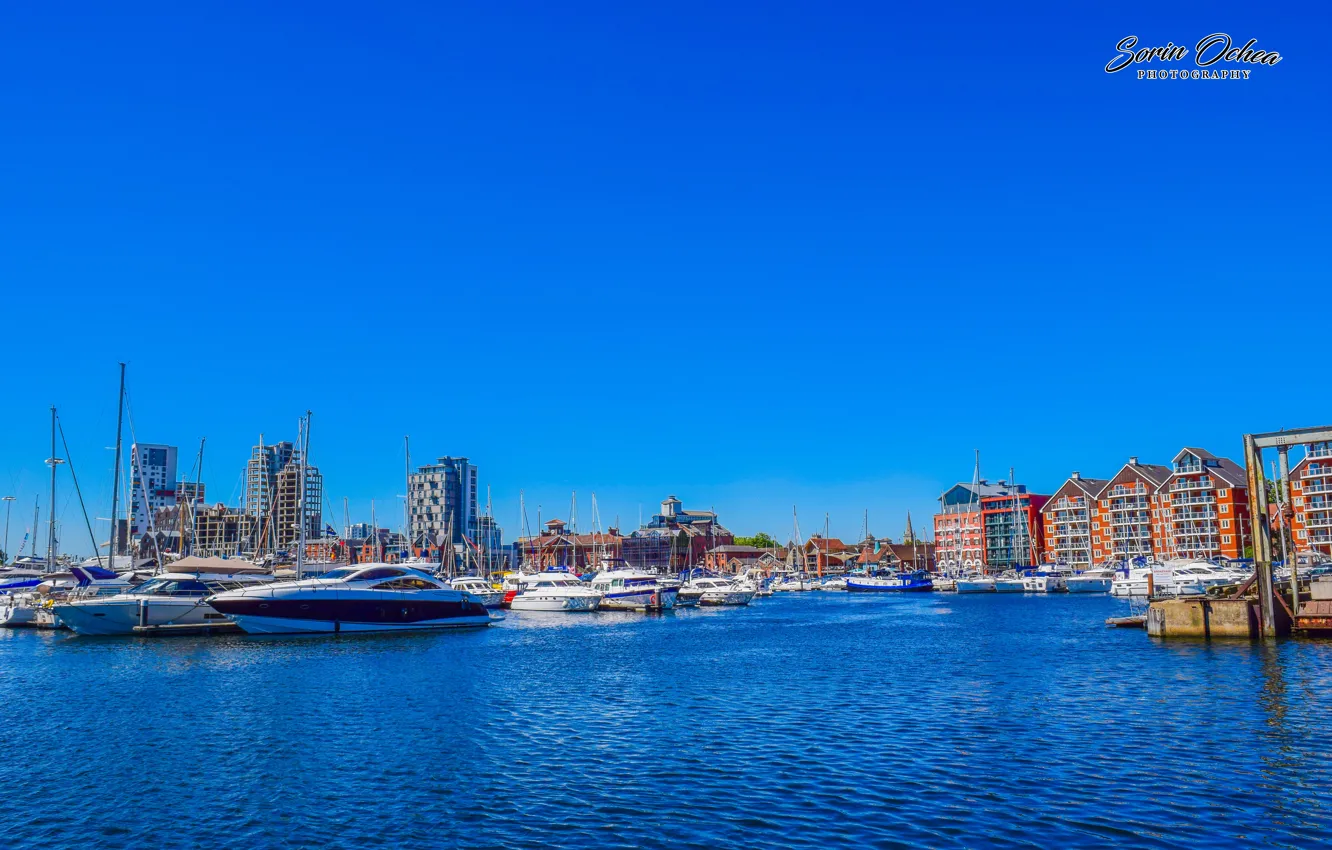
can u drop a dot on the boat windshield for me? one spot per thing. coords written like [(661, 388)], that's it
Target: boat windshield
[(172, 587), (340, 572)]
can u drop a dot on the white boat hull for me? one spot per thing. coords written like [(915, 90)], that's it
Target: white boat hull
[(1044, 584), (537, 601), (120, 617), (727, 597), (644, 601), (1009, 585), (975, 585)]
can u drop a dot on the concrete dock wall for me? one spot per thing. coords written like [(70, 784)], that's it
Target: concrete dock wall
[(1203, 618)]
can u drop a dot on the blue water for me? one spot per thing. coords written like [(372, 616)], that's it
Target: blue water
[(808, 720)]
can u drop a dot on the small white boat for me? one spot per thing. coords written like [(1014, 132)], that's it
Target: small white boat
[(480, 588), (553, 591), (975, 583), (1048, 579), (1096, 580), (175, 599), (1009, 582), (1132, 583), (719, 591), (833, 583), (792, 584), (945, 584)]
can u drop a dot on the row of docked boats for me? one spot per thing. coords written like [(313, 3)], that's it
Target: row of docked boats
[(203, 593)]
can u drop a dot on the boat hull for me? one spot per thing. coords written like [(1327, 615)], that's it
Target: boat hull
[(727, 597), (889, 586), (1009, 585), (647, 600), (257, 625), (120, 617), (975, 585), (536, 601)]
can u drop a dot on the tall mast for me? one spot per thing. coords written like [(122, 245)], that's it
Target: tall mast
[(407, 507), (36, 522), (115, 472), (195, 498), (305, 448), (51, 532)]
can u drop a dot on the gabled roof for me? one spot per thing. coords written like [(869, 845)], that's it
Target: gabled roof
[(1088, 487), (1154, 474), (1222, 467)]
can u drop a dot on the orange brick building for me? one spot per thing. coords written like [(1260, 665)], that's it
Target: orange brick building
[(1203, 508), (1311, 496), (1069, 518)]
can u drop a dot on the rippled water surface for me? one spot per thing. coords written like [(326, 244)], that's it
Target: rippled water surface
[(807, 720)]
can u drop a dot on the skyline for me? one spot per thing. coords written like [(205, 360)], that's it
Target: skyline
[(780, 256)]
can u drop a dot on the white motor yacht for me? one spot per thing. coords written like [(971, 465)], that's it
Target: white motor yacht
[(1095, 580), (175, 599), (360, 598), (1131, 583), (719, 591), (792, 584), (553, 591), (833, 583), (1047, 579), (634, 590), (975, 583), (480, 588), (683, 598)]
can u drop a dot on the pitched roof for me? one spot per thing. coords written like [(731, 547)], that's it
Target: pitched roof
[(1089, 487)]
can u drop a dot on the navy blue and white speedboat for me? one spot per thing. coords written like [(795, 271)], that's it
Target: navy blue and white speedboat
[(361, 598), (889, 584)]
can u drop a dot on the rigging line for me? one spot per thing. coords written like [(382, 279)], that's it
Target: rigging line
[(70, 462)]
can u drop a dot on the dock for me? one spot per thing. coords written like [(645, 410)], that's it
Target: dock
[(225, 627)]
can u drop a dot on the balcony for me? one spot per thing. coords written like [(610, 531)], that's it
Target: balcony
[(1185, 484), (1208, 499), (1319, 450), (1188, 467), (1323, 487)]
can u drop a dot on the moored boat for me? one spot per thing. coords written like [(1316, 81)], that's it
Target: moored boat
[(918, 581), (1095, 580), (480, 588), (361, 598), (553, 591), (634, 590)]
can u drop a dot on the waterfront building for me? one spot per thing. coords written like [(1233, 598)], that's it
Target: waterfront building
[(1011, 527), (273, 496), (1073, 523), (1130, 519), (1311, 498), (558, 548), (732, 558), (152, 484), (1204, 507), (442, 499), (688, 536), (825, 555), (959, 533)]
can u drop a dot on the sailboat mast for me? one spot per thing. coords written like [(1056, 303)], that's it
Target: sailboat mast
[(51, 532), (115, 471), (300, 544), (407, 507)]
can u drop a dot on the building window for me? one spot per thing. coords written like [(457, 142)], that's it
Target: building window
[(1225, 509), (1225, 538), (1225, 523), (1299, 501), (1105, 503), (1304, 535), (1221, 494), (1299, 518)]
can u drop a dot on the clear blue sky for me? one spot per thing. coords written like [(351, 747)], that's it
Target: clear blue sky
[(753, 254)]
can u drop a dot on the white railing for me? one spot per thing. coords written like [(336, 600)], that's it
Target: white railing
[(1204, 483)]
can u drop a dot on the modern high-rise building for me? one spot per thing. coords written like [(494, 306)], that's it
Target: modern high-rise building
[(958, 533), (1011, 523), (442, 498), (152, 484), (273, 495)]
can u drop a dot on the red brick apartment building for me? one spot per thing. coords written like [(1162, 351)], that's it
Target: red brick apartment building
[(1311, 497)]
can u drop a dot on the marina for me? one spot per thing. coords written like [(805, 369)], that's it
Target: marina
[(1070, 718)]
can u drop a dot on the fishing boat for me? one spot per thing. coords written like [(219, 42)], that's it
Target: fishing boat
[(903, 582), (362, 598), (553, 591)]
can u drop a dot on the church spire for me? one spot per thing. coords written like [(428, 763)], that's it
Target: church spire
[(909, 536)]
